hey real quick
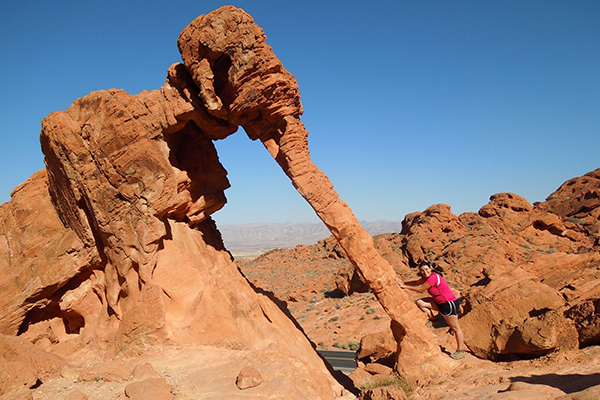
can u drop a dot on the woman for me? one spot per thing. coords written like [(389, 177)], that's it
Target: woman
[(442, 299)]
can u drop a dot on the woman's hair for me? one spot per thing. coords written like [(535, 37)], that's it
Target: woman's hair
[(421, 265), (433, 267)]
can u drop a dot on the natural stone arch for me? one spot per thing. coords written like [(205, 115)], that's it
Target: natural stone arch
[(241, 81), (121, 178)]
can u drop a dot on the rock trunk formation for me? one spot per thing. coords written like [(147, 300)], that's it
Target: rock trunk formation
[(242, 81), (414, 342)]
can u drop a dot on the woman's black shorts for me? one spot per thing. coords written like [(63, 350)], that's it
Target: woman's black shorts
[(450, 308)]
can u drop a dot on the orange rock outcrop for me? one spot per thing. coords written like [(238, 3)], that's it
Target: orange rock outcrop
[(529, 277), (112, 251)]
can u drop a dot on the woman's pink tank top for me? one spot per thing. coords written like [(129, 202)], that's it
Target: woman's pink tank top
[(439, 290)]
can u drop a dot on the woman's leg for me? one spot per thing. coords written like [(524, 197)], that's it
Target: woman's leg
[(428, 306), (452, 320)]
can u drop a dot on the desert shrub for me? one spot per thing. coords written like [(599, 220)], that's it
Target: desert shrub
[(579, 221), (388, 380), (352, 344)]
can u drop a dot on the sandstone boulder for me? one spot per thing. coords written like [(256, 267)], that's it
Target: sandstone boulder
[(40, 260), (348, 281), (24, 367), (497, 324), (577, 202), (149, 389), (377, 347), (248, 377)]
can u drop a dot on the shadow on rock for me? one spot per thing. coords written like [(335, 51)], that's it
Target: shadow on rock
[(569, 383)]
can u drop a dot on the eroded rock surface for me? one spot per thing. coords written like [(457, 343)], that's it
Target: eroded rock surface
[(113, 250), (529, 274), (39, 259)]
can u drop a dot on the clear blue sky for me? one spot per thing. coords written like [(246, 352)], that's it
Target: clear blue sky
[(408, 103)]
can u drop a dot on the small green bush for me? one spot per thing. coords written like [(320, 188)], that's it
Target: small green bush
[(578, 221), (352, 344), (388, 380)]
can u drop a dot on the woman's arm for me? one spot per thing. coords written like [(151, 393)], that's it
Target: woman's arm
[(415, 286)]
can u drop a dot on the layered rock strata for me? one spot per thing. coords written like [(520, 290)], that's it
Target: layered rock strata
[(112, 251)]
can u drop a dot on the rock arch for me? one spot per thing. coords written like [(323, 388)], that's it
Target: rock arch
[(130, 174), (253, 89)]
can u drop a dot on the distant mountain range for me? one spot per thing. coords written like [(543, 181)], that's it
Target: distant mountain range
[(257, 238)]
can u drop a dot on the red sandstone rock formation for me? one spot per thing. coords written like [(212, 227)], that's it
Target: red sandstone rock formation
[(113, 250), (530, 284), (242, 81), (38, 258), (122, 254), (530, 274)]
